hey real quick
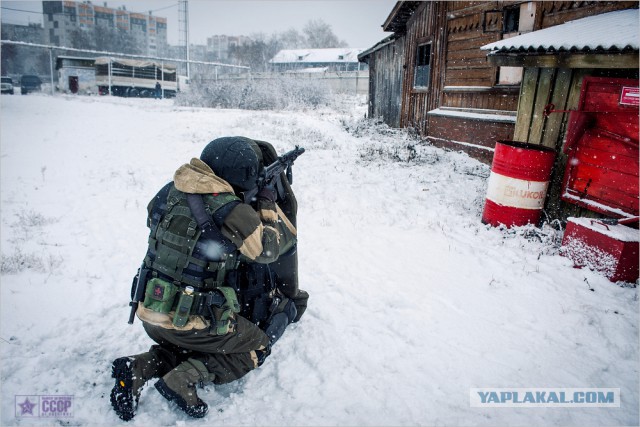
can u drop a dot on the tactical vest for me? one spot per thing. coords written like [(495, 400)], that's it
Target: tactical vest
[(176, 250)]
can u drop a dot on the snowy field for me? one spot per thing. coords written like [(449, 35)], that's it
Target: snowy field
[(413, 300)]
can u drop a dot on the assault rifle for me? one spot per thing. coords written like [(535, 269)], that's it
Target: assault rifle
[(270, 176), (137, 291)]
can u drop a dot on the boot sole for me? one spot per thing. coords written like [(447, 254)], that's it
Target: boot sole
[(172, 396), (122, 398)]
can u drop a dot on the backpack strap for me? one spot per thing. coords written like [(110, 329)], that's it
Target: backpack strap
[(209, 226), (179, 247)]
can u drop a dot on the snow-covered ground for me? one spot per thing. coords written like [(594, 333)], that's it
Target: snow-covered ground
[(413, 300)]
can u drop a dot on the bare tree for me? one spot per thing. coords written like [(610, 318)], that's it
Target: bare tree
[(83, 39), (316, 35), (292, 39), (320, 35)]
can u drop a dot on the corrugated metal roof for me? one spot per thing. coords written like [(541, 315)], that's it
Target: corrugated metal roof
[(608, 31)]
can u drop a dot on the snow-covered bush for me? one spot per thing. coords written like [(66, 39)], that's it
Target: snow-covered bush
[(274, 93), (400, 145), (19, 261)]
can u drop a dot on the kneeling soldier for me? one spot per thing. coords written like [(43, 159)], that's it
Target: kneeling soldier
[(203, 240)]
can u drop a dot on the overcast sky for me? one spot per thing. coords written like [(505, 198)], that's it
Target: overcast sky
[(358, 22)]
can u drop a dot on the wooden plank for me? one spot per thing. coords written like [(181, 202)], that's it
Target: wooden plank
[(554, 122), (596, 8), (459, 9), (593, 139), (543, 95), (614, 163), (610, 187), (466, 53), (567, 60), (525, 104), (574, 90), (470, 82), (466, 34), (463, 64), (554, 204), (470, 42), (470, 73)]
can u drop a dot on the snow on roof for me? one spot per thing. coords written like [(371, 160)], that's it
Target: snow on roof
[(168, 68), (287, 56), (311, 70), (613, 30)]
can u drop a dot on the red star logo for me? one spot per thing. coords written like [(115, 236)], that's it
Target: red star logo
[(158, 291)]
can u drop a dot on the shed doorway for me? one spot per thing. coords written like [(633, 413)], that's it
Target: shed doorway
[(73, 84)]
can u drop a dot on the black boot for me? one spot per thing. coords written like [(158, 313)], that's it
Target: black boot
[(179, 387), (131, 374)]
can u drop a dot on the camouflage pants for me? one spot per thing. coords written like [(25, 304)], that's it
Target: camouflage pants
[(227, 357)]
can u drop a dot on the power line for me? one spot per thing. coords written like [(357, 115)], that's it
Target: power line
[(67, 14), (166, 7), (20, 10), (126, 55)]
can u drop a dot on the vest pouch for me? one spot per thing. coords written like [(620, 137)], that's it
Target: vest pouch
[(224, 315), (160, 295)]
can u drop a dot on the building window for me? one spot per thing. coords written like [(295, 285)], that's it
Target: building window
[(511, 20), (423, 66)]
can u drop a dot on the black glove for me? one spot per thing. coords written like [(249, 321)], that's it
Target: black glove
[(267, 194), (300, 300), (279, 321)]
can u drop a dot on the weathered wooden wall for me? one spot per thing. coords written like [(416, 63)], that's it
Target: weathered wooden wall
[(466, 64), (385, 85), (558, 12), (490, 98), (475, 136), (560, 86), (462, 78), (428, 24)]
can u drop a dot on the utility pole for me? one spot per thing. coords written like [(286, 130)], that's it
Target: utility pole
[(183, 28)]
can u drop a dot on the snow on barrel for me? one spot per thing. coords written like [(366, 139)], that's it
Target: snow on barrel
[(517, 184)]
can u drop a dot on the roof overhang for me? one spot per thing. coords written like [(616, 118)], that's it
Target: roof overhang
[(609, 40), (566, 60), (364, 55), (397, 20)]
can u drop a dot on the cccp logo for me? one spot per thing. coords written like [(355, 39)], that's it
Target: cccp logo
[(44, 406)]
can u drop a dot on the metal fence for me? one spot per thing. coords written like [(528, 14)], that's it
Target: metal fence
[(51, 76)]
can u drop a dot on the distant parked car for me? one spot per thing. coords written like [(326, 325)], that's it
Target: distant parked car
[(7, 85), (29, 83)]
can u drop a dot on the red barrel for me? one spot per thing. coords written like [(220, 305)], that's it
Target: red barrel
[(517, 184)]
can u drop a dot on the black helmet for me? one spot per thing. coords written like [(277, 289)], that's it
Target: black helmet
[(236, 159)]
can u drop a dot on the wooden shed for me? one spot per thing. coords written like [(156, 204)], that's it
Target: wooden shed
[(460, 83), (572, 99), (432, 76)]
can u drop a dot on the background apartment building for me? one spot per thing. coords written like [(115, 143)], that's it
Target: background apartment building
[(66, 22), (222, 48)]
